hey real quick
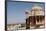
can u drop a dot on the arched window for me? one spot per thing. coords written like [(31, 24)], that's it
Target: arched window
[(37, 18)]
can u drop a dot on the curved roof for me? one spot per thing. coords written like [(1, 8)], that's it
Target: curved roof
[(36, 7)]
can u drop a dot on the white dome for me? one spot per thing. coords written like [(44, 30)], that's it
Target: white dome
[(36, 7), (38, 10)]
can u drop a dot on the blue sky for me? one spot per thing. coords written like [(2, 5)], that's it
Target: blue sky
[(16, 11)]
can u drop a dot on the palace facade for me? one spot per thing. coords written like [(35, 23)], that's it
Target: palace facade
[(35, 17)]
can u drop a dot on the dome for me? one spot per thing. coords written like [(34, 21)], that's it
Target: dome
[(36, 7), (37, 11)]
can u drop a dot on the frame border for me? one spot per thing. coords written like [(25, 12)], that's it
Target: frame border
[(17, 1)]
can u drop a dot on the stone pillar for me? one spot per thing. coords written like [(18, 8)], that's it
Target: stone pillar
[(32, 20), (27, 23)]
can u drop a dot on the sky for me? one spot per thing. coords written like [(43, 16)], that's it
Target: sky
[(16, 11)]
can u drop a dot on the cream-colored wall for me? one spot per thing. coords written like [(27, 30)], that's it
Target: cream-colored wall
[(38, 13)]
